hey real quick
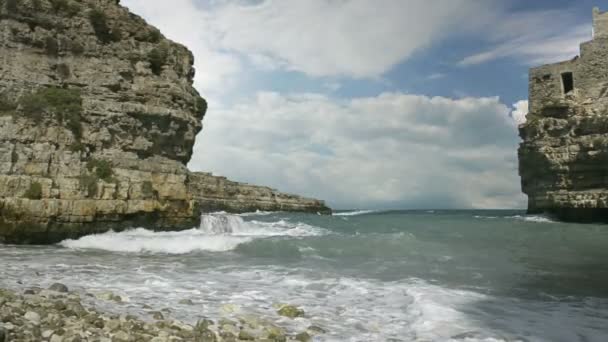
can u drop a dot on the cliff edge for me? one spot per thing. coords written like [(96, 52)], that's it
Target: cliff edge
[(563, 159), (98, 118)]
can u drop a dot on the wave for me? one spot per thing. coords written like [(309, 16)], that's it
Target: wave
[(532, 218), (217, 233), (355, 213), (258, 213), (526, 218)]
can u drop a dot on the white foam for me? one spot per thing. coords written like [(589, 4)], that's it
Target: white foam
[(258, 213), (355, 213), (217, 233), (532, 218)]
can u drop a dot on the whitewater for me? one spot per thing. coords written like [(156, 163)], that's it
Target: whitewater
[(361, 275)]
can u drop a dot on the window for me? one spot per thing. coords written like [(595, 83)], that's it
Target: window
[(568, 82)]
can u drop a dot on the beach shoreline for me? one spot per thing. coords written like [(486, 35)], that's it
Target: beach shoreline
[(56, 314)]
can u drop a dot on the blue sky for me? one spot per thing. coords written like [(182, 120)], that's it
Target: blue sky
[(370, 104)]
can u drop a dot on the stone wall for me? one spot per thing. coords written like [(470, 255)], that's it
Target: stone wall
[(600, 23), (563, 159)]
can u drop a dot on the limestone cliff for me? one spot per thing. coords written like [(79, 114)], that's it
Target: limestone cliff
[(98, 118), (563, 159)]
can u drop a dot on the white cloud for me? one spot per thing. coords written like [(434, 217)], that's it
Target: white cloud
[(534, 38), (436, 76), (520, 110), (389, 150), (356, 38)]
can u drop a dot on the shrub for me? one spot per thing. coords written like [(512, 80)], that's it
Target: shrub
[(99, 21), (64, 104), (37, 5), (77, 146), (63, 70), (6, 105), (201, 105), (148, 190), (154, 36), (103, 169), (76, 48), (51, 46), (158, 58), (89, 183), (34, 192), (11, 6)]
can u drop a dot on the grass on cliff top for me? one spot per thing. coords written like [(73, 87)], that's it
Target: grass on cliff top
[(64, 104)]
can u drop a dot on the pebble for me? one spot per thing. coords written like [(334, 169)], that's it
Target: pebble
[(58, 287), (32, 317), (55, 316)]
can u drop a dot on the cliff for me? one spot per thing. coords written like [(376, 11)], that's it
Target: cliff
[(98, 118), (563, 159)]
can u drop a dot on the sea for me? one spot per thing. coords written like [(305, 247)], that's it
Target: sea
[(425, 275)]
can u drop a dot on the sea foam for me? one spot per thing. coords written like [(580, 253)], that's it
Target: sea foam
[(217, 233)]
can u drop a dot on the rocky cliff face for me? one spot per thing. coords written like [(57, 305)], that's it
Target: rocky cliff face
[(98, 118), (563, 160)]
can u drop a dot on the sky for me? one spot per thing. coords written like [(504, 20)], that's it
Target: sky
[(370, 104)]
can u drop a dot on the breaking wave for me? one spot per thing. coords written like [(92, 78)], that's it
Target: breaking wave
[(355, 213), (217, 233), (526, 218)]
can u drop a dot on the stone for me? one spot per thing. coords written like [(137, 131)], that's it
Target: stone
[(33, 317), (120, 336), (157, 315), (58, 287), (56, 338), (290, 311), (303, 337), (247, 335), (562, 158), (186, 302), (96, 132), (316, 330)]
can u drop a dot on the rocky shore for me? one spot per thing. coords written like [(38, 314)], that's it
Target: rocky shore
[(98, 119), (59, 315)]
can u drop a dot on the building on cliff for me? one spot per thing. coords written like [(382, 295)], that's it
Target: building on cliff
[(98, 118), (563, 159)]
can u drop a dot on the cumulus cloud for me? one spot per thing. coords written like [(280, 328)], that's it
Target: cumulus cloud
[(520, 110), (394, 150)]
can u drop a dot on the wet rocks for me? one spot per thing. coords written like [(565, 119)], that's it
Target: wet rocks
[(290, 311), (61, 316), (58, 287)]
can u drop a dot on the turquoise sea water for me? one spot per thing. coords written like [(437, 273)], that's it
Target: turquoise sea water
[(363, 276)]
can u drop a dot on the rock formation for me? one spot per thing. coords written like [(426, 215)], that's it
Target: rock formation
[(563, 159), (98, 118)]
